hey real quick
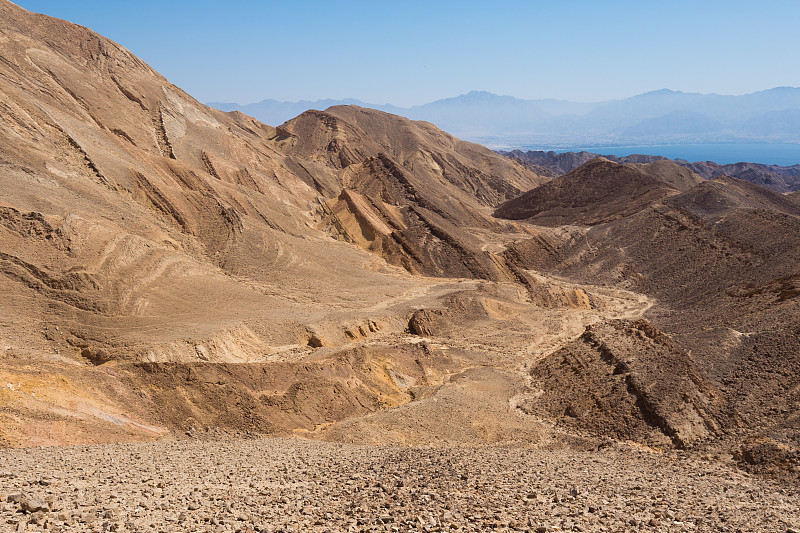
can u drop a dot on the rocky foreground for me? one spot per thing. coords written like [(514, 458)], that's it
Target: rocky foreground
[(295, 485)]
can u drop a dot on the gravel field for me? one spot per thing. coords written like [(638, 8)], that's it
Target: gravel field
[(297, 485)]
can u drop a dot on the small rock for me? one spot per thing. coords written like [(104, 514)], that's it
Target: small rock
[(33, 505)]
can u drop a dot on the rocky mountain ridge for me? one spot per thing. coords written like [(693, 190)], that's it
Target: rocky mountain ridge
[(775, 177)]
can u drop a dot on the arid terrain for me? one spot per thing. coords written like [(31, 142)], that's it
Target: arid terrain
[(400, 323), (291, 485)]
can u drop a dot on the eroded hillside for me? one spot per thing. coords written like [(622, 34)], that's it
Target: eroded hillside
[(720, 262), (169, 267)]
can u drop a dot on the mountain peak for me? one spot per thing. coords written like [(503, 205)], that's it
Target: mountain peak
[(661, 92), (480, 94), (598, 191)]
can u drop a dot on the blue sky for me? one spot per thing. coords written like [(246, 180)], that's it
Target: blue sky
[(413, 52)]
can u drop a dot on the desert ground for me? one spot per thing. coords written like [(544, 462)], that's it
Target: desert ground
[(205, 484)]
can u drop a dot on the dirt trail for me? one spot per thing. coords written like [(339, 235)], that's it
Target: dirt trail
[(491, 347), (565, 326)]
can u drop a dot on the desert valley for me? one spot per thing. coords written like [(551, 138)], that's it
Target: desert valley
[(358, 322)]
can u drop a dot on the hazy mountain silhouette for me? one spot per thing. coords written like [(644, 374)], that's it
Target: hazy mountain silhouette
[(662, 116)]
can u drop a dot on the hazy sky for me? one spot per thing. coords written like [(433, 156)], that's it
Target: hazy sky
[(412, 52)]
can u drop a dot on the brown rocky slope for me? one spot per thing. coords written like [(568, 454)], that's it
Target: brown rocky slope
[(598, 191), (168, 267), (406, 190), (139, 226), (720, 261)]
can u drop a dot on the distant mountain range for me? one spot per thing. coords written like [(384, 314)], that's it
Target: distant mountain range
[(656, 117)]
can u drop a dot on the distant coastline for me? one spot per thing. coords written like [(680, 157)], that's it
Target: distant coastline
[(783, 154)]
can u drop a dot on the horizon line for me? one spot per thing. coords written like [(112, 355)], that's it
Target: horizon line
[(480, 91)]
